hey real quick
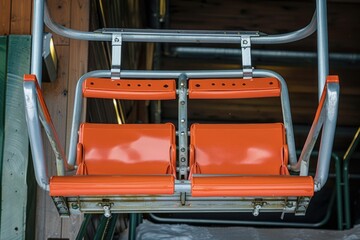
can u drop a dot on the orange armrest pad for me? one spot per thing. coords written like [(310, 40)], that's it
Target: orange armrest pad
[(252, 186), (98, 185)]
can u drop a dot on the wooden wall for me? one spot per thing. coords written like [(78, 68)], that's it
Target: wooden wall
[(72, 63), (15, 18)]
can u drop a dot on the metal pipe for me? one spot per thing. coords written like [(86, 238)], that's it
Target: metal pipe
[(346, 176), (235, 53), (132, 225), (322, 44), (142, 35), (303, 163), (74, 34), (77, 110), (339, 201), (37, 39), (327, 138), (35, 136), (286, 111), (288, 37)]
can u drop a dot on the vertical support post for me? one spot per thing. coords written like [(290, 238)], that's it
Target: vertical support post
[(338, 191), (132, 225), (347, 157), (37, 39), (183, 129), (84, 224), (322, 44)]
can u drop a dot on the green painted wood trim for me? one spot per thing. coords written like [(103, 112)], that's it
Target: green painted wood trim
[(3, 56), (16, 144)]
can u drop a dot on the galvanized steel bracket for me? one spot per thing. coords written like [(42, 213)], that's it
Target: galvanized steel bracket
[(116, 55)]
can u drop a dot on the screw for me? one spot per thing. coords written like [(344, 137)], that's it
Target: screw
[(74, 206), (117, 40), (182, 102), (183, 159), (245, 42), (182, 149)]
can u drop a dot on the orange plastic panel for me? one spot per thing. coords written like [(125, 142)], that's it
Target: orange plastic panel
[(111, 185), (134, 89), (252, 186), (332, 79), (237, 148), (127, 149), (234, 88)]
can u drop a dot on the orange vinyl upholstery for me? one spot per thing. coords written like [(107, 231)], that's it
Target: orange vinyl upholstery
[(134, 89), (120, 159), (233, 88), (242, 160)]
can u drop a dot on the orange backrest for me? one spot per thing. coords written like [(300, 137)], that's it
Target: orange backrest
[(234, 88), (238, 149), (132, 89), (126, 149)]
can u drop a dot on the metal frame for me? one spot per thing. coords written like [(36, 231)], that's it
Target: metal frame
[(34, 116)]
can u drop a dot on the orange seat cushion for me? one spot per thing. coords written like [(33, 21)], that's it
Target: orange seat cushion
[(242, 160), (131, 159), (127, 148), (238, 148)]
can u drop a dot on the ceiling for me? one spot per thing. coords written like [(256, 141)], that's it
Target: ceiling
[(273, 17), (270, 17)]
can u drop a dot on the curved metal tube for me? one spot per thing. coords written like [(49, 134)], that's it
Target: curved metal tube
[(70, 33), (37, 39), (143, 35), (77, 109), (327, 137), (288, 37), (35, 136), (322, 44), (285, 102), (325, 118)]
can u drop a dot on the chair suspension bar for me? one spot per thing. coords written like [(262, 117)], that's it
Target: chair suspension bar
[(130, 35)]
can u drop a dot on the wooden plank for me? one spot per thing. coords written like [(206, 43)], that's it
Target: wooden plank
[(60, 13), (55, 93), (78, 65), (21, 17), (14, 186), (3, 54), (78, 54), (5, 6)]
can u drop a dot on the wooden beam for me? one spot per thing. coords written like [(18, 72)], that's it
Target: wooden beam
[(78, 60), (16, 144), (3, 54), (21, 17), (60, 13), (78, 65), (5, 9), (55, 93)]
